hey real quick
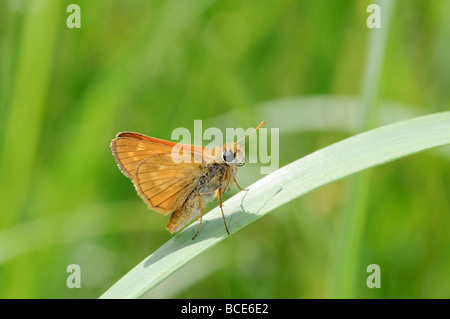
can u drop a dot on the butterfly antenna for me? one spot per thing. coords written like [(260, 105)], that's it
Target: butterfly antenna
[(260, 124)]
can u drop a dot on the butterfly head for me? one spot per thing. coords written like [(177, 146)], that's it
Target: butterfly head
[(233, 154)]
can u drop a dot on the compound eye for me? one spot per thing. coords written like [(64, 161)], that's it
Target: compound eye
[(228, 156), (241, 163)]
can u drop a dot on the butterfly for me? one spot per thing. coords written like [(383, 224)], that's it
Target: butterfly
[(182, 185)]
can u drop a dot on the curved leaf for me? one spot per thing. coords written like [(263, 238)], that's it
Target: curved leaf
[(359, 152)]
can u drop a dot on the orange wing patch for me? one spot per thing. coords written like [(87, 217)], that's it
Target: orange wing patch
[(163, 184)]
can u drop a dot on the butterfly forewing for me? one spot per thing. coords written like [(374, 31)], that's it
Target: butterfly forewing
[(130, 152), (160, 181)]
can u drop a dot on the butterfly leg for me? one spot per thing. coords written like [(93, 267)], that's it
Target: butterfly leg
[(242, 189), (220, 204), (201, 214)]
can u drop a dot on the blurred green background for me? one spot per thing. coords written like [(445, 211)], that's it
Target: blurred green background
[(152, 66)]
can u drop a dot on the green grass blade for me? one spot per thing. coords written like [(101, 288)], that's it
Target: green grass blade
[(355, 213), (354, 154), (26, 108)]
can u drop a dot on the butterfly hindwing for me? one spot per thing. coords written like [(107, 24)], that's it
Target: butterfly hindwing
[(164, 186)]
